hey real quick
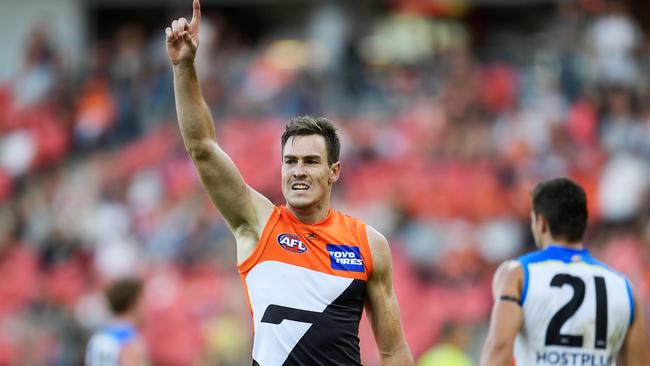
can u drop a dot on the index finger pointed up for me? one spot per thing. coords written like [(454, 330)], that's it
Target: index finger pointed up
[(196, 11)]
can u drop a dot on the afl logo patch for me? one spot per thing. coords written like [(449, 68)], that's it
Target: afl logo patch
[(292, 243)]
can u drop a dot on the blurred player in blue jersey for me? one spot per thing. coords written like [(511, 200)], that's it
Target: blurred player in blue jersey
[(559, 305), (119, 343)]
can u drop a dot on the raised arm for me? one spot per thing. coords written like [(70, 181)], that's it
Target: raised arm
[(382, 307), (245, 210), (634, 351), (507, 315)]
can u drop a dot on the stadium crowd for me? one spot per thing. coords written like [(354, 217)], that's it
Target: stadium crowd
[(441, 147)]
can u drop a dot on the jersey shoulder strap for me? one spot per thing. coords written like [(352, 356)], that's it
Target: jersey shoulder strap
[(525, 260)]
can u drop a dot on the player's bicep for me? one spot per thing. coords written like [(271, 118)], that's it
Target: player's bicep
[(505, 321), (239, 204), (634, 351), (507, 282), (507, 315), (381, 302), (383, 312)]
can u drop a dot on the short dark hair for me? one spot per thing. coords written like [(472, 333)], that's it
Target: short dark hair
[(308, 125), (563, 203), (123, 294)]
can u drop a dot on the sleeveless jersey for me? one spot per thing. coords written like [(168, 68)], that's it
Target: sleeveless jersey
[(306, 288), (576, 310), (105, 346)]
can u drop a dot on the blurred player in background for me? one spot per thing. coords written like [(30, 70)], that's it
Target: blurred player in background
[(308, 270), (559, 305), (119, 343), (451, 349)]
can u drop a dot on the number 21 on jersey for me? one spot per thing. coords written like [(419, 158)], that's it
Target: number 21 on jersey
[(553, 334)]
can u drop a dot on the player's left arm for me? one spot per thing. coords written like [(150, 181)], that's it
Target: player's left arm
[(382, 306), (133, 354), (507, 315), (634, 351)]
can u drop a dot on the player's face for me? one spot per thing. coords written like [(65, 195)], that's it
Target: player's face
[(307, 177), (535, 227)]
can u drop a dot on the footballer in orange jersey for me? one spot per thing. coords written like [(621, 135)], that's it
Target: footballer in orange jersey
[(307, 269)]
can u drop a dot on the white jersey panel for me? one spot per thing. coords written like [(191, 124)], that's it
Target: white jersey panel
[(103, 350), (105, 346), (576, 311), (285, 287)]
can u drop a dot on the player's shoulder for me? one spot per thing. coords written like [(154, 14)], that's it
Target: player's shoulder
[(379, 249), (590, 260), (351, 223), (377, 242), (507, 280), (603, 268), (350, 219), (508, 270), (375, 236)]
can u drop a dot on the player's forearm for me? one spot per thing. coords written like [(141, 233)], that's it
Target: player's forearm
[(628, 360), (400, 356), (496, 355), (194, 117)]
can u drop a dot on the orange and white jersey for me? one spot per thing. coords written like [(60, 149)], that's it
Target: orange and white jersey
[(306, 288)]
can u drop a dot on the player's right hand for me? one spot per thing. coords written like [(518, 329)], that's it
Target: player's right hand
[(183, 37)]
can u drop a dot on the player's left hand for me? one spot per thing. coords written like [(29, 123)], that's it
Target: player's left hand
[(183, 37)]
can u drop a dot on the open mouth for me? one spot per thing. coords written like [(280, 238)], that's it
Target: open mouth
[(299, 187)]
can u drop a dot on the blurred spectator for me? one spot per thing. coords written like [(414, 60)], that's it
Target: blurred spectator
[(625, 179), (564, 33), (95, 111), (39, 73), (451, 349), (614, 39), (17, 152), (126, 70)]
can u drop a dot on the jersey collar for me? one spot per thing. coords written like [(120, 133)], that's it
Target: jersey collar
[(565, 253), (293, 218)]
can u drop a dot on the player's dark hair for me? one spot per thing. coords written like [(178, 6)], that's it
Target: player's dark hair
[(563, 203), (307, 125), (123, 294)]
